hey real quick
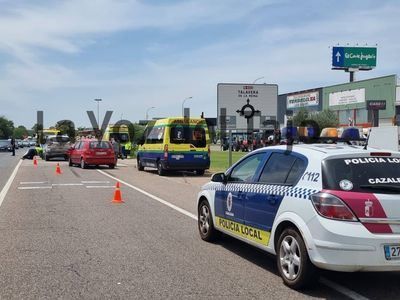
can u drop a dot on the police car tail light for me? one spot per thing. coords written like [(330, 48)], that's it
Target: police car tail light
[(166, 151), (332, 207)]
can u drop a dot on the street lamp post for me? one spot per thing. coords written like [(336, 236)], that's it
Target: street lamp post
[(98, 111), (257, 79), (147, 112), (183, 103)]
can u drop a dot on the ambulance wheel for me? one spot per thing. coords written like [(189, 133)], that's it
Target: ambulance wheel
[(205, 223), (294, 265), (139, 165), (200, 172), (160, 170)]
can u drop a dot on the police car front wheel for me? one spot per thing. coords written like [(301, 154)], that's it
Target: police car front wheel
[(293, 262), (205, 222)]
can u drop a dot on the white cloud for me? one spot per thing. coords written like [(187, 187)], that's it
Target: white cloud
[(293, 57)]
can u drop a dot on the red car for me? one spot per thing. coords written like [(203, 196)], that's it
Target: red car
[(92, 152)]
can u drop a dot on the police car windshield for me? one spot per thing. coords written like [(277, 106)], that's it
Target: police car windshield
[(362, 174)]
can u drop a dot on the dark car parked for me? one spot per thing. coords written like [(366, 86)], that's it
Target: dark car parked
[(5, 145)]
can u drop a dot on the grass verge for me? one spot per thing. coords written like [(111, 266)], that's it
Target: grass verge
[(220, 160)]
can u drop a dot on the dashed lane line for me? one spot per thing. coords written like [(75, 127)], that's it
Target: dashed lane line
[(10, 180), (34, 187), (99, 186), (334, 286), (33, 182), (186, 213)]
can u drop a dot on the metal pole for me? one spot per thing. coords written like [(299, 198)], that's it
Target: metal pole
[(352, 77), (183, 103), (230, 148), (98, 111)]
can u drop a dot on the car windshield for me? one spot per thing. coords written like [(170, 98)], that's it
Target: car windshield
[(120, 137), (362, 174), (99, 145), (57, 139), (184, 134)]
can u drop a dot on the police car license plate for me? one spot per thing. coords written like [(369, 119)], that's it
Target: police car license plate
[(101, 153), (392, 252)]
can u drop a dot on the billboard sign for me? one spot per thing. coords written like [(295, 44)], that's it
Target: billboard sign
[(242, 104), (302, 100), (347, 97), (363, 58), (376, 104)]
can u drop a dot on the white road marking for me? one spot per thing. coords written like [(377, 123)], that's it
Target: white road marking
[(34, 187), (33, 182), (99, 186), (343, 290), (66, 184), (335, 286), (93, 182), (185, 212), (7, 186)]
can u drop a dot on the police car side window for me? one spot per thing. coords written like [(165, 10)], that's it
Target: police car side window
[(246, 169), (277, 169), (298, 168)]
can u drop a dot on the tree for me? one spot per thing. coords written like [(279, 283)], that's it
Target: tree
[(135, 132), (301, 116), (6, 128), (66, 127), (20, 132), (326, 118)]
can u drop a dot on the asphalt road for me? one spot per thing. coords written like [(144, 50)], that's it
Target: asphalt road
[(8, 163), (61, 237)]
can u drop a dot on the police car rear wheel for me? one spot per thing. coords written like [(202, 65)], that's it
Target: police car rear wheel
[(205, 223), (293, 262)]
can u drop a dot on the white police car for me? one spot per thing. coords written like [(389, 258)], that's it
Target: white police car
[(328, 206)]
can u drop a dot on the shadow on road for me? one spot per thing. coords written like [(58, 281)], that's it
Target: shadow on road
[(268, 262)]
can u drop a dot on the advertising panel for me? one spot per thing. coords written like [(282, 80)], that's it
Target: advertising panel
[(347, 97), (302, 100), (354, 57)]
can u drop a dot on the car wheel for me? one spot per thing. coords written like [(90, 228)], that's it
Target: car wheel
[(200, 172), (160, 169), (205, 223), (294, 265), (139, 165), (46, 158), (111, 166), (70, 162), (83, 164)]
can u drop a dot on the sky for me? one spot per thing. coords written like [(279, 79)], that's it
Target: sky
[(58, 56)]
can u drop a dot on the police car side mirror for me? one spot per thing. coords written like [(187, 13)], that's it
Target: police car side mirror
[(219, 177)]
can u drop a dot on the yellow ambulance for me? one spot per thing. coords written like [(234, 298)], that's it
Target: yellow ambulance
[(175, 144)]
